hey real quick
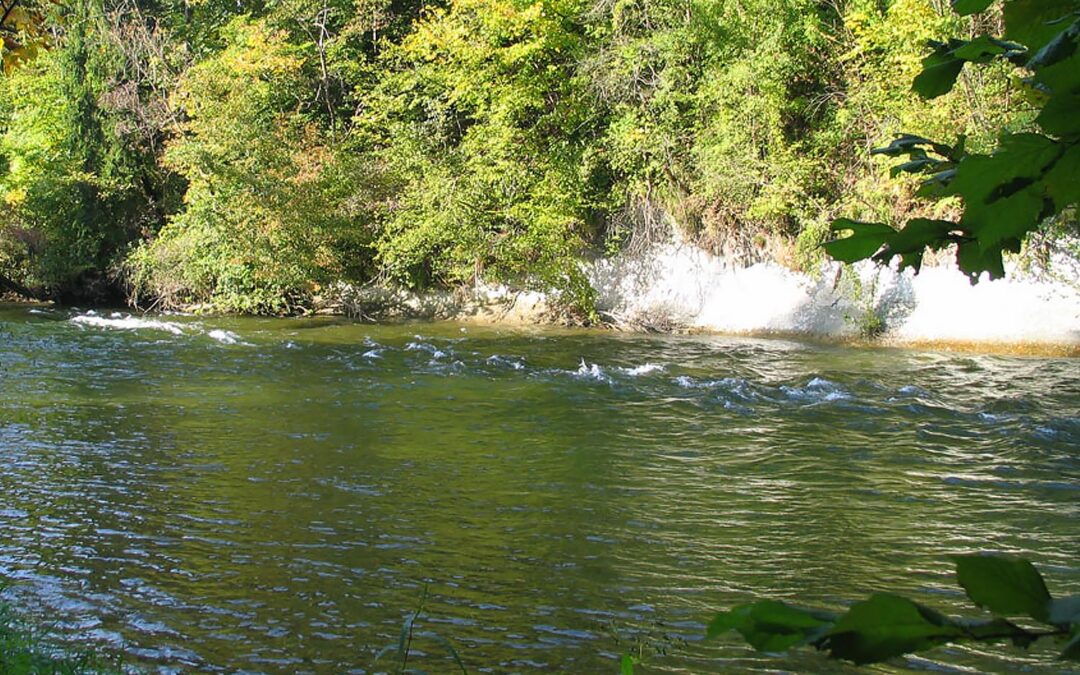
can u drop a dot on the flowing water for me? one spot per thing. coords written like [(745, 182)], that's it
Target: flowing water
[(274, 495)]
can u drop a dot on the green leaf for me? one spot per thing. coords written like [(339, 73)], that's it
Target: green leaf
[(913, 146), (966, 7), (913, 260), (983, 49), (1003, 198), (1061, 180), (1033, 23), (772, 626), (973, 260), (939, 73), (1063, 76), (1007, 218), (920, 233), (626, 665), (1072, 648), (995, 629), (1061, 47), (1061, 115), (924, 165), (1005, 586), (938, 185), (886, 626), (865, 240)]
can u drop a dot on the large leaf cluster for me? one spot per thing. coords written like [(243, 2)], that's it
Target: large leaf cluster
[(886, 625), (1028, 178)]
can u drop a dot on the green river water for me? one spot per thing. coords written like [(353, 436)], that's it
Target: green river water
[(256, 495)]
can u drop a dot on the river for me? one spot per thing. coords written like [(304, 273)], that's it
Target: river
[(273, 495)]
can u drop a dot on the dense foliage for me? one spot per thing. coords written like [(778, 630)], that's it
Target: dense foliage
[(1028, 178), (243, 155)]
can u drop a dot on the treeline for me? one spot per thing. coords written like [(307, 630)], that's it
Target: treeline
[(244, 155)]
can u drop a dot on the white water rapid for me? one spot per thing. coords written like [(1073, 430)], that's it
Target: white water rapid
[(684, 286)]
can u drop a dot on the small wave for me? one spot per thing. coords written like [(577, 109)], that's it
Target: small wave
[(225, 337), (372, 354), (912, 390), (435, 352), (734, 385), (496, 359), (126, 322), (817, 389), (643, 369), (591, 372)]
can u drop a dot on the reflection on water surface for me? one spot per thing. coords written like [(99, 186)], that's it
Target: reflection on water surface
[(272, 495)]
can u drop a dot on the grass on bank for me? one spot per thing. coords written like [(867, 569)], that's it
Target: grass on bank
[(26, 649)]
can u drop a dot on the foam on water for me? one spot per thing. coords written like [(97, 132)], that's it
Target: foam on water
[(435, 352), (514, 363), (126, 322), (643, 369), (591, 371), (687, 286), (817, 389), (225, 337)]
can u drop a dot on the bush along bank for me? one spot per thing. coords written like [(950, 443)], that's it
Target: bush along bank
[(245, 157)]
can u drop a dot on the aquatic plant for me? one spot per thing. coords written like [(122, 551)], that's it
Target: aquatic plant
[(403, 646), (27, 650)]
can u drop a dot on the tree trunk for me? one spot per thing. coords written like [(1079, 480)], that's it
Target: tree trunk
[(19, 289)]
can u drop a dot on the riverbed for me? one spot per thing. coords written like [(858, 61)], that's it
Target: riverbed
[(274, 495)]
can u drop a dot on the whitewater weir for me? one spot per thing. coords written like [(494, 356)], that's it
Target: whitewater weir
[(681, 288)]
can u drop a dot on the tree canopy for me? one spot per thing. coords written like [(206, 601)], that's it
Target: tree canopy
[(244, 155)]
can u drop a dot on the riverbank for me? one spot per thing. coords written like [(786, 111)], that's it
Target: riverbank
[(679, 288)]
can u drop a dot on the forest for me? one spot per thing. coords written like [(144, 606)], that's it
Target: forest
[(242, 156)]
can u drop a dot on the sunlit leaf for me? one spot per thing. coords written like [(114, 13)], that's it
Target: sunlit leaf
[(886, 626), (966, 7), (939, 73), (982, 49), (865, 240), (1062, 46), (1061, 115), (973, 260), (771, 626), (1033, 23), (1005, 586), (1061, 180), (920, 233)]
